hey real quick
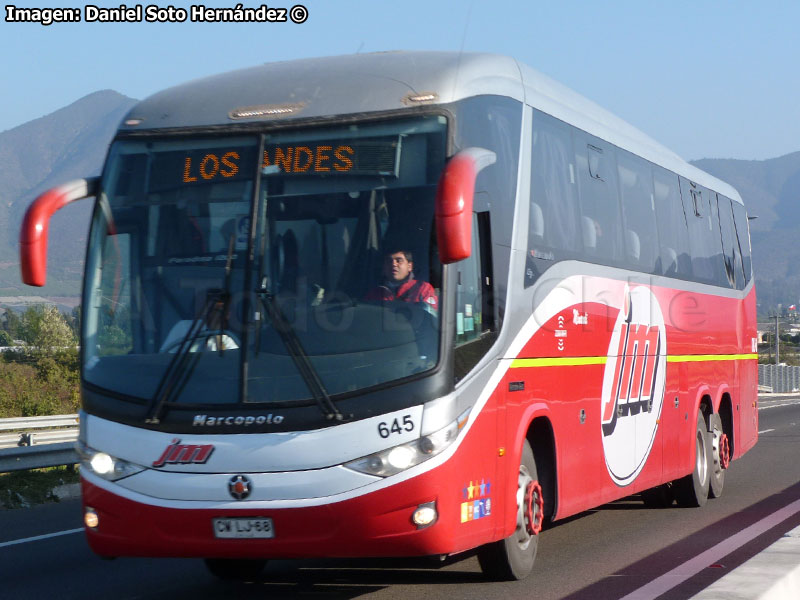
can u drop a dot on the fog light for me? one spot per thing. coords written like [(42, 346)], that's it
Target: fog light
[(425, 515), (90, 518)]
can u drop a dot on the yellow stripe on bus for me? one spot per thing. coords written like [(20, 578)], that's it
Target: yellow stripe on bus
[(573, 361), (566, 361), (710, 357)]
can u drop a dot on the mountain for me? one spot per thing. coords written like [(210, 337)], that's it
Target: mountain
[(68, 144), (771, 192), (72, 143)]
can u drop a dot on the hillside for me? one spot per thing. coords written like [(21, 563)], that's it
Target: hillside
[(67, 144)]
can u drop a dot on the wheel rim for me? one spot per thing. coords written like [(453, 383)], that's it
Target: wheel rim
[(701, 466), (722, 450), (534, 508), (522, 535), (530, 508)]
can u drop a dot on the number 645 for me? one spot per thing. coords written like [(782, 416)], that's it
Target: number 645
[(385, 429)]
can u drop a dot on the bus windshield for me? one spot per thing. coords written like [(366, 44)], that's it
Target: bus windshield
[(245, 268)]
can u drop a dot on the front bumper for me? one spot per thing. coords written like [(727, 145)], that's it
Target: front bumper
[(371, 525)]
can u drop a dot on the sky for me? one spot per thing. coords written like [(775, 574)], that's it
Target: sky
[(706, 78)]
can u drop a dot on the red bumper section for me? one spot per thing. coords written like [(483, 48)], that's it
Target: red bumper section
[(373, 525)]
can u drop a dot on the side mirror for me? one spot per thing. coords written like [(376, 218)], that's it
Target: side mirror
[(454, 197), (36, 224)]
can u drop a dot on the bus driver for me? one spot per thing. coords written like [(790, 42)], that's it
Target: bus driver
[(399, 282)]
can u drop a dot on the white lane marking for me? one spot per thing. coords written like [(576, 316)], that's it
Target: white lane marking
[(40, 537), (777, 404), (667, 581), (765, 431)]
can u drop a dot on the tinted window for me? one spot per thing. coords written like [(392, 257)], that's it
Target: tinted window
[(474, 319), (730, 245), (704, 237), (672, 231), (638, 209), (743, 235), (553, 222), (718, 260), (595, 202), (494, 123), (597, 191)]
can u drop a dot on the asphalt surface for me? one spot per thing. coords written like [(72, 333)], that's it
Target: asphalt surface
[(618, 550)]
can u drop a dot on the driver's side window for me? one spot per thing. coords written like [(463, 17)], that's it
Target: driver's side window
[(475, 331)]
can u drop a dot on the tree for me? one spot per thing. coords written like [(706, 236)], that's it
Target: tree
[(12, 324), (46, 331), (74, 320)]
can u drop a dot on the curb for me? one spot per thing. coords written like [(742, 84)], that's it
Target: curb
[(773, 574)]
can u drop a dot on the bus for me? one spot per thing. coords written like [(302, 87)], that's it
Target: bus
[(588, 331)]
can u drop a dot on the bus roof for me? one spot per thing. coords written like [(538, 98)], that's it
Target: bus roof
[(387, 81)]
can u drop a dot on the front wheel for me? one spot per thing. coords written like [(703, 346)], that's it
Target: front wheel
[(235, 569), (692, 490), (512, 558)]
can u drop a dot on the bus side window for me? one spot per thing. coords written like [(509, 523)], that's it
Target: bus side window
[(554, 227), (638, 210), (704, 239), (743, 235), (671, 218), (730, 246), (721, 275), (598, 199), (475, 331)]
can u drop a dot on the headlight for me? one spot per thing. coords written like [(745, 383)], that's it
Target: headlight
[(104, 465), (399, 458)]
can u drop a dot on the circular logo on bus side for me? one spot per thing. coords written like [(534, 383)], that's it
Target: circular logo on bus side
[(633, 385)]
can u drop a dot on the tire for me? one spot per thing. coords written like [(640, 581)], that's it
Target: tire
[(719, 457), (658, 497), (692, 490), (512, 558), (235, 569)]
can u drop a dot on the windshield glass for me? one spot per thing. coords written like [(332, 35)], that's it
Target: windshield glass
[(246, 268)]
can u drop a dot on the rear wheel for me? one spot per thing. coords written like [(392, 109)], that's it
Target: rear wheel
[(692, 490), (512, 558), (720, 456), (235, 569)]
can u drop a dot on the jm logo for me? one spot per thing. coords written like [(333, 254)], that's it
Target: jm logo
[(633, 383), (184, 454)]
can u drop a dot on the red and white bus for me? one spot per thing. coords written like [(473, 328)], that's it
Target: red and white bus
[(580, 325)]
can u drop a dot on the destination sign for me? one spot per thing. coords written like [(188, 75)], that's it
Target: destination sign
[(374, 156), (364, 157), (178, 168)]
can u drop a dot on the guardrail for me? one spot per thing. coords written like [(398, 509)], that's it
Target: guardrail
[(38, 442), (47, 422), (780, 378), (38, 457)]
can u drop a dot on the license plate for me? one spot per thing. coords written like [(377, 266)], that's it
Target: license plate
[(243, 528)]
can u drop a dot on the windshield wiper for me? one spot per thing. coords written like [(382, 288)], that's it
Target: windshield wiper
[(215, 314), (298, 354)]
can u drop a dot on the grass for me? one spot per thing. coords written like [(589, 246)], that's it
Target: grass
[(22, 489)]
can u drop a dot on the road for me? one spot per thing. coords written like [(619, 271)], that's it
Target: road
[(617, 550)]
